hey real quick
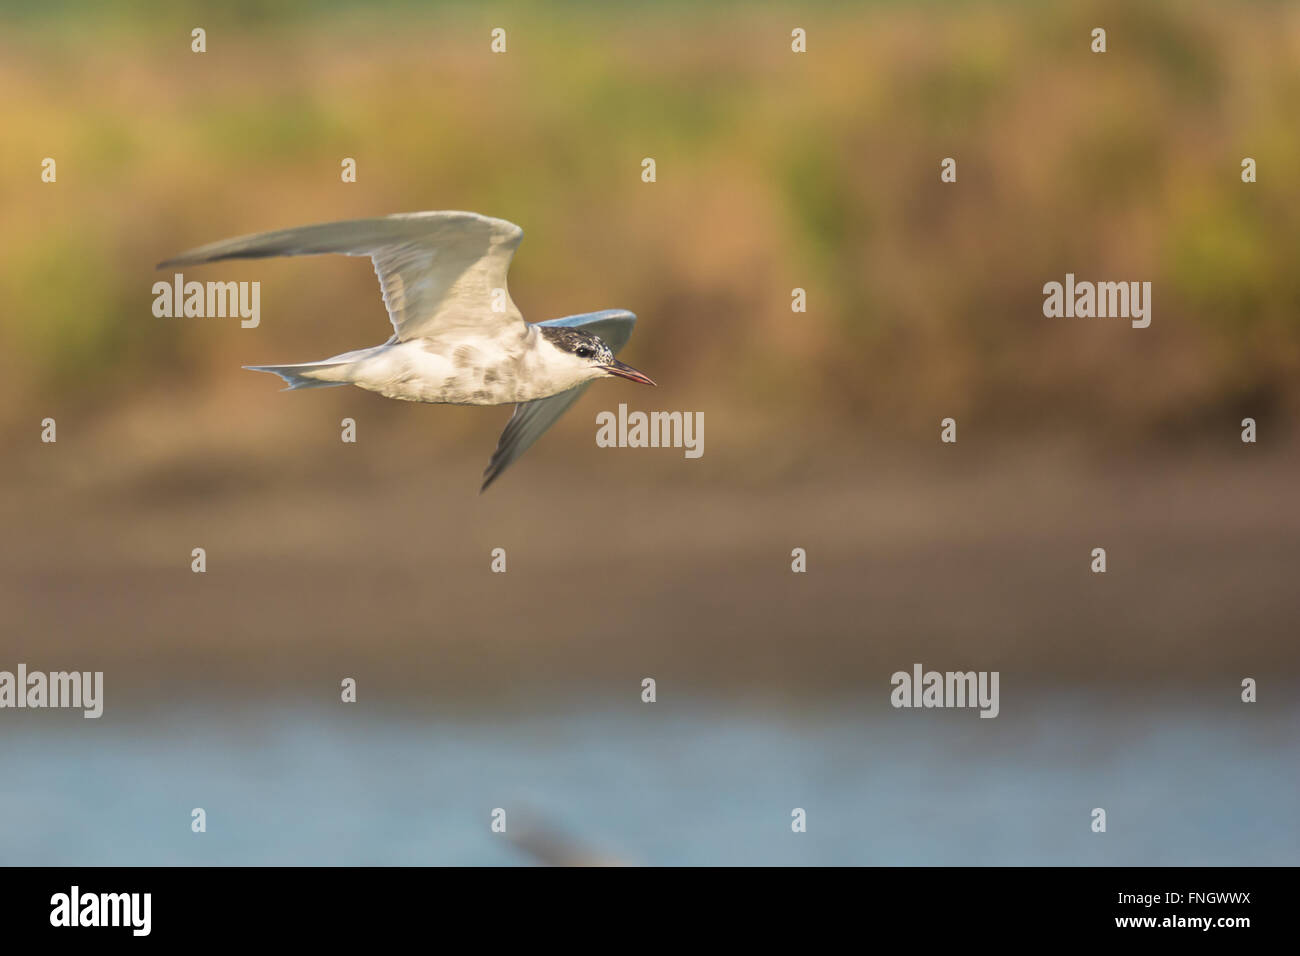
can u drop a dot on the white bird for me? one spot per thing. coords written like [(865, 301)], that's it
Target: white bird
[(458, 338)]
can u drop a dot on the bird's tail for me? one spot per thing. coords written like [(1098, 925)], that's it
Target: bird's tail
[(303, 375)]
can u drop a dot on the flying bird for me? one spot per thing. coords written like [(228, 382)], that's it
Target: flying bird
[(458, 338)]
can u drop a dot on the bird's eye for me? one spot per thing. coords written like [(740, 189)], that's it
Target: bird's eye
[(584, 352)]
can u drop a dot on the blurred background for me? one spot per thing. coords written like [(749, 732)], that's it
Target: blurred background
[(775, 170)]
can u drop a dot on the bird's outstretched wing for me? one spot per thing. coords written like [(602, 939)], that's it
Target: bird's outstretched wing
[(440, 272), (614, 326)]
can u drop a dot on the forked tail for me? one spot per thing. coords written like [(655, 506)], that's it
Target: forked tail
[(300, 376)]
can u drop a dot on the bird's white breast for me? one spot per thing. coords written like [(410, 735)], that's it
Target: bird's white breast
[(467, 371)]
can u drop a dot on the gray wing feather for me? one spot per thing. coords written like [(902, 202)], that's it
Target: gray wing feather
[(438, 271), (531, 419)]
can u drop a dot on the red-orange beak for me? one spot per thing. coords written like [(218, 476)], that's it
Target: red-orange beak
[(626, 371)]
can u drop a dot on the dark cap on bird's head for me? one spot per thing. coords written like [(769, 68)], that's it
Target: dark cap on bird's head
[(586, 345)]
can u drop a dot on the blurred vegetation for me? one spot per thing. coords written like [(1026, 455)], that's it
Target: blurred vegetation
[(775, 171)]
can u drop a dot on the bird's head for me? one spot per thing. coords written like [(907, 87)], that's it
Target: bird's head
[(586, 356)]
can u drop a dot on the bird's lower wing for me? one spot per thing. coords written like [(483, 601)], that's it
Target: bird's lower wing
[(525, 427), (531, 419)]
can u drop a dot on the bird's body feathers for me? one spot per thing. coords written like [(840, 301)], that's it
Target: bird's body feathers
[(458, 337)]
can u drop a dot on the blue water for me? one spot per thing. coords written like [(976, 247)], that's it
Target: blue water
[(657, 784)]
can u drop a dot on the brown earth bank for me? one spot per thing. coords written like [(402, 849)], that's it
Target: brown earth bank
[(373, 561)]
